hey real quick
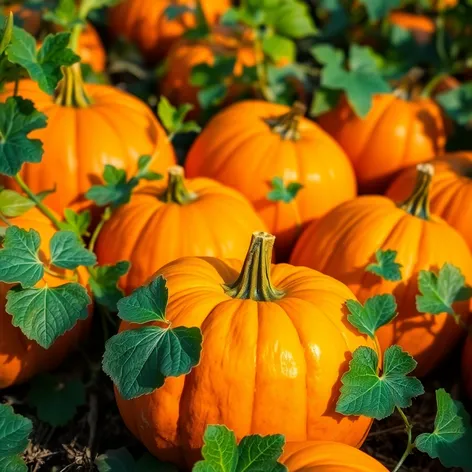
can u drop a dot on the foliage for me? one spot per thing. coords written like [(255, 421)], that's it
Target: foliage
[(385, 265), (282, 193)]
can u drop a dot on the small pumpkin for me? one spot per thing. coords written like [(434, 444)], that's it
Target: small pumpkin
[(395, 134), (88, 126), (344, 242), (198, 217), (248, 144), (186, 54), (21, 358), (325, 456), (275, 338), (451, 191), (144, 22), (467, 366)]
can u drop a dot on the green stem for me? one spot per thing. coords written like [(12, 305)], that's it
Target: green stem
[(59, 276), (105, 217), (5, 220), (411, 445), (176, 191), (254, 282), (441, 39), (261, 68), (417, 204), (432, 84), (41, 206)]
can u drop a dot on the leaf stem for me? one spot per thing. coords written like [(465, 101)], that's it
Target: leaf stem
[(32, 196), (261, 68), (17, 84), (5, 220), (411, 445), (441, 39), (105, 217), (59, 276), (432, 84)]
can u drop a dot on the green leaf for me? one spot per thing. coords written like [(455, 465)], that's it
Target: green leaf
[(365, 392), (77, 222), (386, 267), (290, 18), (44, 314), (324, 100), (13, 204), (378, 9), (18, 118), (278, 47), (14, 432), (145, 304), (56, 401), (43, 66), (260, 453), (202, 29), (13, 464), (457, 103), (376, 312), (172, 12), (65, 14), (173, 118), (212, 95), (68, 251), (448, 426), (439, 292), (139, 360), (6, 33), (104, 283), (118, 460), (19, 258), (282, 193)]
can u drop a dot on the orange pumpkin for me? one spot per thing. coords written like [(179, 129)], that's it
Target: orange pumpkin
[(88, 126), (186, 54), (248, 144), (275, 338), (21, 358), (198, 217), (144, 23), (467, 366), (325, 456), (451, 192), (395, 133), (344, 242)]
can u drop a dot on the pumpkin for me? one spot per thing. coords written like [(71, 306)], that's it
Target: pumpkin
[(88, 126), (395, 134), (198, 217), (144, 22), (467, 366), (275, 338), (89, 47), (451, 192), (21, 358), (344, 242), (421, 26), (186, 54), (249, 143), (325, 456)]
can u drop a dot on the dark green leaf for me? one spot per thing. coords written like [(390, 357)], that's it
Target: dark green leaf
[(202, 29), (172, 12), (77, 222), (13, 204), (19, 258), (145, 304), (283, 193), (44, 314), (324, 100), (376, 312), (68, 251), (14, 432), (104, 283), (212, 95), (260, 453), (365, 392), (458, 103), (378, 9), (386, 267), (149, 463), (439, 292), (118, 460), (6, 33), (13, 464), (56, 401), (278, 47), (18, 118), (138, 361), (113, 175)]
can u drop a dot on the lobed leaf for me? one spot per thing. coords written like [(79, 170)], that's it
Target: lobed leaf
[(386, 267), (68, 251), (104, 283)]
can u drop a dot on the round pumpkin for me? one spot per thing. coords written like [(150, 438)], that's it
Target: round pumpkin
[(21, 358), (395, 134), (88, 126), (250, 143), (186, 54), (467, 366), (275, 339), (344, 242), (198, 217), (451, 192), (144, 22), (325, 456)]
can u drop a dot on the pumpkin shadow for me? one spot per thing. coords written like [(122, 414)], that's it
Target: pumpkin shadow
[(430, 129)]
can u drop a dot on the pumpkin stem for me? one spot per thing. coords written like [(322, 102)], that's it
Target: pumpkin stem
[(176, 191), (405, 86), (254, 281), (71, 90), (286, 125), (417, 204)]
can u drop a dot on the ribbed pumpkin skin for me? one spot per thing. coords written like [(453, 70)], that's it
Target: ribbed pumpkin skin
[(144, 23), (467, 367), (324, 456), (395, 134), (451, 191), (239, 149), (186, 54), (344, 242), (116, 129), (261, 363), (150, 233), (20, 358)]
